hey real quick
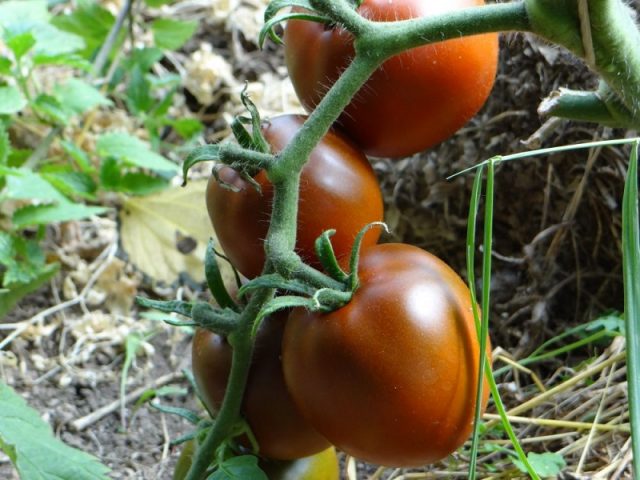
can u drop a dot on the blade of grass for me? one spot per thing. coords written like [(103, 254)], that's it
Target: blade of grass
[(631, 273), (476, 192), (482, 324)]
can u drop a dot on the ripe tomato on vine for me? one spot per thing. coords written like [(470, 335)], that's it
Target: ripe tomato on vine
[(415, 99), (391, 377), (282, 433), (338, 190)]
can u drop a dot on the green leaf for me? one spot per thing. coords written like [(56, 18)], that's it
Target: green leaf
[(215, 280), (46, 214), (21, 43), (545, 464), (187, 128), (9, 297), (132, 345), (129, 149), (23, 14), (139, 99), (72, 183), (11, 100), (239, 468), (79, 96), (157, 3), (5, 145), (17, 157), (24, 184), (144, 58), (110, 175), (23, 259), (51, 41), (52, 109), (36, 453), (78, 155), (72, 60), (172, 34), (5, 66), (138, 183), (89, 21)]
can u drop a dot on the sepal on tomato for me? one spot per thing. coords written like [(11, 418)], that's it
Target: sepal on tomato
[(215, 281), (271, 18), (355, 253), (327, 256)]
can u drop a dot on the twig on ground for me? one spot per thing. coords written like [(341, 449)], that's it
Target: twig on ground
[(83, 422)]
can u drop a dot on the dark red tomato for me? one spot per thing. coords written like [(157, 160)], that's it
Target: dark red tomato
[(416, 99), (338, 190), (390, 378), (279, 428)]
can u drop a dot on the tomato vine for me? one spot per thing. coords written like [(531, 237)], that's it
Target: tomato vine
[(616, 103)]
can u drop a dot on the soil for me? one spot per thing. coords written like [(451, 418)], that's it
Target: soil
[(556, 263)]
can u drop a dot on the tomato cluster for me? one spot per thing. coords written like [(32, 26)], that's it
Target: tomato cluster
[(391, 376)]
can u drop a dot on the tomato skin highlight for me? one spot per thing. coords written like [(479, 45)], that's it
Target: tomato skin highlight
[(338, 190), (390, 378), (415, 99), (282, 433)]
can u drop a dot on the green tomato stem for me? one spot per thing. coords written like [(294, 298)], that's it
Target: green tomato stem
[(242, 342)]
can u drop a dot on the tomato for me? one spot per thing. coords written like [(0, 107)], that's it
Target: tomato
[(320, 466), (280, 430), (389, 378), (338, 190), (416, 99)]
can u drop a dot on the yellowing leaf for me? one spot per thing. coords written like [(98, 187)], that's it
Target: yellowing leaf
[(167, 233)]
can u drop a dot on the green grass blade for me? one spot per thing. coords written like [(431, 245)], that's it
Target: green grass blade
[(482, 325), (631, 272), (471, 244)]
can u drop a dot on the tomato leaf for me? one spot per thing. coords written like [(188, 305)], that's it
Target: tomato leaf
[(239, 468), (36, 453)]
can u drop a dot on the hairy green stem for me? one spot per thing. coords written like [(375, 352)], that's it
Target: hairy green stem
[(615, 38), (242, 342), (234, 155), (391, 38), (295, 154)]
